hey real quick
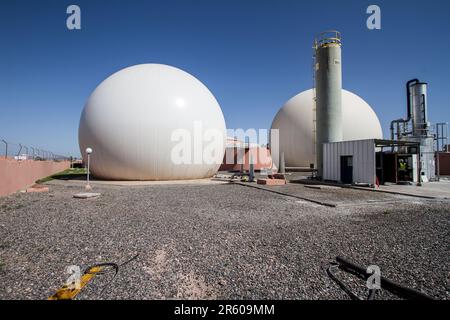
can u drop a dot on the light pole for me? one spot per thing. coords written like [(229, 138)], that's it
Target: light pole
[(88, 152)]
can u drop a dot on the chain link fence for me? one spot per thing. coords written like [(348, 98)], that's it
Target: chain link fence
[(19, 151)]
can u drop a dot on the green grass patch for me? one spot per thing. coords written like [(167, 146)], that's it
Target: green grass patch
[(65, 175)]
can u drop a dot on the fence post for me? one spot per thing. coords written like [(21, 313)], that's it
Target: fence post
[(6, 148), (20, 150)]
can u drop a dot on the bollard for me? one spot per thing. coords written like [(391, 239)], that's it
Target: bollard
[(282, 164)]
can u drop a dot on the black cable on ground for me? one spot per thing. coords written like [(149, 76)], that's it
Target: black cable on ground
[(340, 283), (389, 285), (109, 266), (372, 294), (393, 287)]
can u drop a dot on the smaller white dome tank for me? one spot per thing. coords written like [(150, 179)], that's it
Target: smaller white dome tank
[(295, 124)]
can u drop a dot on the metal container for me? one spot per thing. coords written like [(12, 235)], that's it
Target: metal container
[(358, 155)]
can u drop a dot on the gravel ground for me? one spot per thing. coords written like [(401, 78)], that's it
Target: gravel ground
[(217, 242)]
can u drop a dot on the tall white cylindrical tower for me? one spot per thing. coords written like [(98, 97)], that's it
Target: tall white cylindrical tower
[(328, 82)]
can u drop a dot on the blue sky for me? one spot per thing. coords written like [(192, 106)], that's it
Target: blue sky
[(253, 56)]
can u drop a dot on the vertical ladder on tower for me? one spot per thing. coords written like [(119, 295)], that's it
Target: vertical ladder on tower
[(314, 66)]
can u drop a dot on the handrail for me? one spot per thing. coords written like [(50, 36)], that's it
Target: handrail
[(328, 37)]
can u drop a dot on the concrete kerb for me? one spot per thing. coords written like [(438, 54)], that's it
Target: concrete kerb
[(253, 185), (128, 183), (310, 182)]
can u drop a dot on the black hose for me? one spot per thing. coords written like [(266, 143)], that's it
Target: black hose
[(113, 266), (340, 283), (372, 294), (391, 286)]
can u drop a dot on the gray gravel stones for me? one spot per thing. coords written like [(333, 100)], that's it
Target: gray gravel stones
[(217, 242)]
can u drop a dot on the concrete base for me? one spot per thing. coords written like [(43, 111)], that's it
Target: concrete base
[(322, 187), (37, 188), (94, 183)]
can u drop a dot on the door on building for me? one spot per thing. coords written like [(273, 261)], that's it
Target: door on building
[(347, 169), (390, 168)]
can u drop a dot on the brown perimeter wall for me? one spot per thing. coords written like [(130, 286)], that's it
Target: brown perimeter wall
[(16, 175)]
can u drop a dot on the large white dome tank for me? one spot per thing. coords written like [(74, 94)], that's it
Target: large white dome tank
[(135, 118), (295, 123)]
